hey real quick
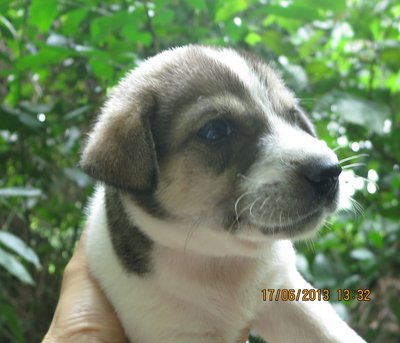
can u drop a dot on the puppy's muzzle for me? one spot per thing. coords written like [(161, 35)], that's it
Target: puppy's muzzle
[(295, 198)]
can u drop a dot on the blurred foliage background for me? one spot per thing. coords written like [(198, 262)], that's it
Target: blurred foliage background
[(58, 60)]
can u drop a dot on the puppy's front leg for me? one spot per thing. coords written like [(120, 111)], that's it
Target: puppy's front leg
[(302, 321)]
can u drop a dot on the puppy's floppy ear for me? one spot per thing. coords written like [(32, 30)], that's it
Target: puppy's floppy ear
[(120, 150)]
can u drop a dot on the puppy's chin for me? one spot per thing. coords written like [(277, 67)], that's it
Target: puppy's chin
[(295, 229)]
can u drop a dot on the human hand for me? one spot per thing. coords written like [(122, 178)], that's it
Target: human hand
[(83, 313)]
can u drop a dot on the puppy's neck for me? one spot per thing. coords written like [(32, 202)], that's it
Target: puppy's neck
[(130, 223)]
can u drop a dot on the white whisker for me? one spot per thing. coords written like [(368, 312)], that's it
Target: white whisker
[(243, 211), (353, 157), (237, 203), (358, 209), (310, 244), (264, 202), (338, 148), (352, 165), (251, 207)]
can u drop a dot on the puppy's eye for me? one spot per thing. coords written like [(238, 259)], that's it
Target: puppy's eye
[(215, 130)]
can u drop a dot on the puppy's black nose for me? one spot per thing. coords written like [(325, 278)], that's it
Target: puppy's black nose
[(323, 176)]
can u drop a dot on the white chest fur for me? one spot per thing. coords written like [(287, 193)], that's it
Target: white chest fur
[(187, 297)]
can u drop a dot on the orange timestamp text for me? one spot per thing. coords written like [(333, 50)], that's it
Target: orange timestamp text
[(312, 294)]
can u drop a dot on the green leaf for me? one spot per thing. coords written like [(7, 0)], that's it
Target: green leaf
[(79, 177), (132, 31), (394, 305), (4, 57), (298, 12), (20, 192), (163, 17), (43, 13), (72, 20), (363, 112), (77, 112), (391, 56), (318, 69), (14, 267), (356, 110), (103, 26), (100, 64), (8, 120), (197, 4), (7, 27), (144, 37), (275, 41), (322, 270), (253, 38), (12, 323), (227, 9), (297, 77), (362, 254), (36, 107), (334, 6), (25, 118), (16, 244), (47, 55), (376, 237), (29, 120)]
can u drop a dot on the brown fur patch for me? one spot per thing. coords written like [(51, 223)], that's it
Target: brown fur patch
[(121, 152)]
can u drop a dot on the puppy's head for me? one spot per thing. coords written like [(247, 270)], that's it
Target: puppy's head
[(212, 138)]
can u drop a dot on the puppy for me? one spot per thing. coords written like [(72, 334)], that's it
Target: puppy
[(208, 170)]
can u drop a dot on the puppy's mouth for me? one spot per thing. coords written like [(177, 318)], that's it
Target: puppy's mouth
[(296, 218), (287, 227), (293, 226)]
